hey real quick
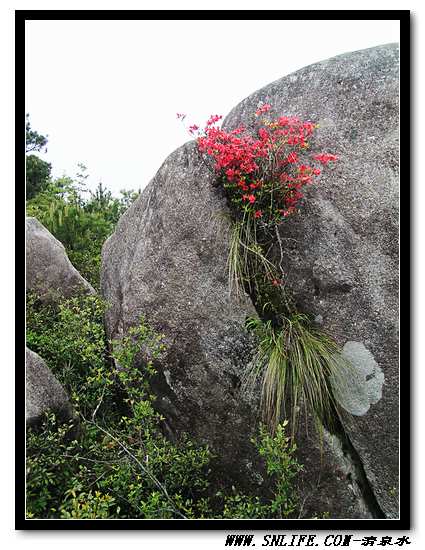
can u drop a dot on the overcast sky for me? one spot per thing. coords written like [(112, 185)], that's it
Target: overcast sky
[(107, 92)]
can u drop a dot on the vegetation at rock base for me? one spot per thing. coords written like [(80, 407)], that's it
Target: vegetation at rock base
[(121, 465)]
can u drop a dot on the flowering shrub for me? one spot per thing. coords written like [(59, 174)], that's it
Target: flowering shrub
[(263, 172), (263, 175)]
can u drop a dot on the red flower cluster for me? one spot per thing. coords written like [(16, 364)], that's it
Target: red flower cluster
[(213, 119), (234, 152), (263, 174), (324, 158), (250, 198), (263, 109)]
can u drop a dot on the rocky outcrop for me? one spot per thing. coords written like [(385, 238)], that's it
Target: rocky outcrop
[(167, 261), (49, 273), (43, 392), (341, 254)]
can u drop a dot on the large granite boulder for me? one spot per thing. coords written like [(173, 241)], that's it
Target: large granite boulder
[(49, 273), (167, 261), (43, 392), (341, 253)]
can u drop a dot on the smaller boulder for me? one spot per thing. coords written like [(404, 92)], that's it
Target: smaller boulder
[(43, 392), (50, 274)]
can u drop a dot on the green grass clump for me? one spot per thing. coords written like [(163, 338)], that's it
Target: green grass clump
[(299, 364), (296, 362)]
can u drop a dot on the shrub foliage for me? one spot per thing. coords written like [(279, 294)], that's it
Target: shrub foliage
[(121, 465)]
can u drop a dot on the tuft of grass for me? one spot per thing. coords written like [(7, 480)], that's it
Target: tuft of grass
[(300, 366), (296, 361), (235, 265), (246, 258)]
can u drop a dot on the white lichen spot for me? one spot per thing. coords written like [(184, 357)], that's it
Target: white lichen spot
[(360, 385)]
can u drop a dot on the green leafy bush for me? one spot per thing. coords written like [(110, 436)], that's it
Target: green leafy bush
[(281, 465), (278, 452), (121, 465), (81, 224)]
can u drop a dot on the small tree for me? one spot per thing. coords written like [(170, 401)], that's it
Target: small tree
[(37, 170)]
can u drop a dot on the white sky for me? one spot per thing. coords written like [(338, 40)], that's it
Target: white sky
[(107, 92)]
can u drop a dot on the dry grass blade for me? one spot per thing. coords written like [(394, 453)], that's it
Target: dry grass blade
[(246, 258)]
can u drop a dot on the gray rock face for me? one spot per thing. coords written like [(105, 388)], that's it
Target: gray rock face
[(49, 273), (43, 391), (341, 253), (167, 261)]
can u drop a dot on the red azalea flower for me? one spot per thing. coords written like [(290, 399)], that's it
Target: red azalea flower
[(263, 134), (258, 214), (263, 109), (324, 158), (283, 121), (292, 157), (288, 211), (213, 119), (193, 128)]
